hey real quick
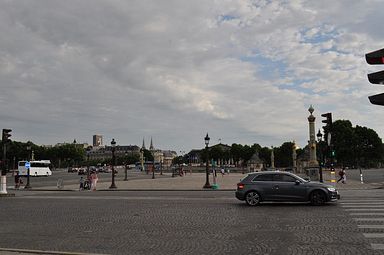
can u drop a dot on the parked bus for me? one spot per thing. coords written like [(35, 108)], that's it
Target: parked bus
[(37, 168)]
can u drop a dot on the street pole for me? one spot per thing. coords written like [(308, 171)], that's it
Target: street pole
[(153, 166), (207, 185), (4, 169), (319, 139), (28, 185), (113, 185), (126, 172), (126, 167)]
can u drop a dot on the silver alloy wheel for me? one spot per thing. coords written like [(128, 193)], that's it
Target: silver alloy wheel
[(252, 198)]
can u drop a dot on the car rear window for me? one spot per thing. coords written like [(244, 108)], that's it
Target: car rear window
[(263, 178)]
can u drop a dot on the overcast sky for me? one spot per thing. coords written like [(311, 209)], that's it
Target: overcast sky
[(243, 71)]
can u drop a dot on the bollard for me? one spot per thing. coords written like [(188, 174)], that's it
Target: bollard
[(3, 185), (333, 176), (60, 184), (361, 177)]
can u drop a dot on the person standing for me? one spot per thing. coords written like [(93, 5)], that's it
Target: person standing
[(81, 183), (18, 181), (344, 181), (94, 180)]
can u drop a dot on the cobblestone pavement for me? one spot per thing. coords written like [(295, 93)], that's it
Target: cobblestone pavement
[(177, 222), (193, 181)]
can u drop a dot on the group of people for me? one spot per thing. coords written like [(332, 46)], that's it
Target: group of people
[(90, 183)]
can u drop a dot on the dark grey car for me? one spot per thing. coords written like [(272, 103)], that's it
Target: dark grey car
[(283, 186)]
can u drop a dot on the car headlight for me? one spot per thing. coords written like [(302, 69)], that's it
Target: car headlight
[(332, 189)]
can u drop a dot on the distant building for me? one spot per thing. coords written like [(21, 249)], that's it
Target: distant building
[(97, 140), (105, 152)]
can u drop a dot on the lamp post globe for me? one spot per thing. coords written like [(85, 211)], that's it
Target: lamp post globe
[(113, 144), (319, 136), (207, 185)]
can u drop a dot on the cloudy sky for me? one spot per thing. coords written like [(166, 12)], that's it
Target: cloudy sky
[(244, 71)]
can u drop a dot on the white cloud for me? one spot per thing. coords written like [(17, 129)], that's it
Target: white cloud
[(245, 71)]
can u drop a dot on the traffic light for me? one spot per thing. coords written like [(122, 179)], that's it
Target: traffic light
[(6, 135), (328, 126), (376, 58), (327, 121)]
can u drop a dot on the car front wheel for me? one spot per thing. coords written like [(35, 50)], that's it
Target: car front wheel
[(317, 198), (252, 198)]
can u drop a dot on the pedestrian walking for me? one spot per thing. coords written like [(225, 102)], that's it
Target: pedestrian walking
[(18, 181), (94, 180), (222, 171), (81, 183), (342, 176)]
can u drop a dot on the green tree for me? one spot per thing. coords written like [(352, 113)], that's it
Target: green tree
[(236, 152), (265, 155), (368, 147), (283, 155), (344, 142)]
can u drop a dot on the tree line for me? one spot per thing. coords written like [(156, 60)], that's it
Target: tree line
[(351, 146)]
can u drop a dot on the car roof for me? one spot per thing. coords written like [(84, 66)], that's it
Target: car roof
[(270, 172)]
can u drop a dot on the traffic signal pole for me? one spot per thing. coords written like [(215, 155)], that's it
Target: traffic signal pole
[(328, 139), (3, 183)]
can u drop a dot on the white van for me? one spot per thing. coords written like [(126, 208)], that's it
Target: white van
[(37, 168)]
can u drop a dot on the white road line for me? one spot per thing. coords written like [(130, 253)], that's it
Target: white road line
[(369, 219), (367, 214), (363, 203), (371, 226), (358, 200), (373, 235), (377, 246), (365, 209), (362, 206)]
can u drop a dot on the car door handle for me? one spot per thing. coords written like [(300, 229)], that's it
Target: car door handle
[(276, 187)]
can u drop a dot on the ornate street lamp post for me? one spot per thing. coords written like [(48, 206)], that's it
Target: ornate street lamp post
[(113, 185), (28, 185), (126, 166), (88, 154), (207, 185), (319, 139), (153, 166)]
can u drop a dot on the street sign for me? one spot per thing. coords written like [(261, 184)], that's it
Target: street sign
[(27, 164)]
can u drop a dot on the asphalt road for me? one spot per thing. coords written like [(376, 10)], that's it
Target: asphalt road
[(174, 222)]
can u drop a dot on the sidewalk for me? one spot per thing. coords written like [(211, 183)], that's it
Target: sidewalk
[(196, 181)]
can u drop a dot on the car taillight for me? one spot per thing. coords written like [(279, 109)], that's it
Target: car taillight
[(240, 186)]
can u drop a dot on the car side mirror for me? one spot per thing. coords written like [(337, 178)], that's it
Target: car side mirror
[(297, 182)]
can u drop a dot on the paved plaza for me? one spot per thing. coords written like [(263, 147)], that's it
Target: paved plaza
[(196, 181)]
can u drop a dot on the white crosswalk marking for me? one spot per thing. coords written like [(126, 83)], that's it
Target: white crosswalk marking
[(369, 216)]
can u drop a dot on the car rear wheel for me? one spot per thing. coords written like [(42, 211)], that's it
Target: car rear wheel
[(252, 198), (318, 198)]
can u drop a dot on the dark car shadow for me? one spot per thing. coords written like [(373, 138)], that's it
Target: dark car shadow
[(286, 204)]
